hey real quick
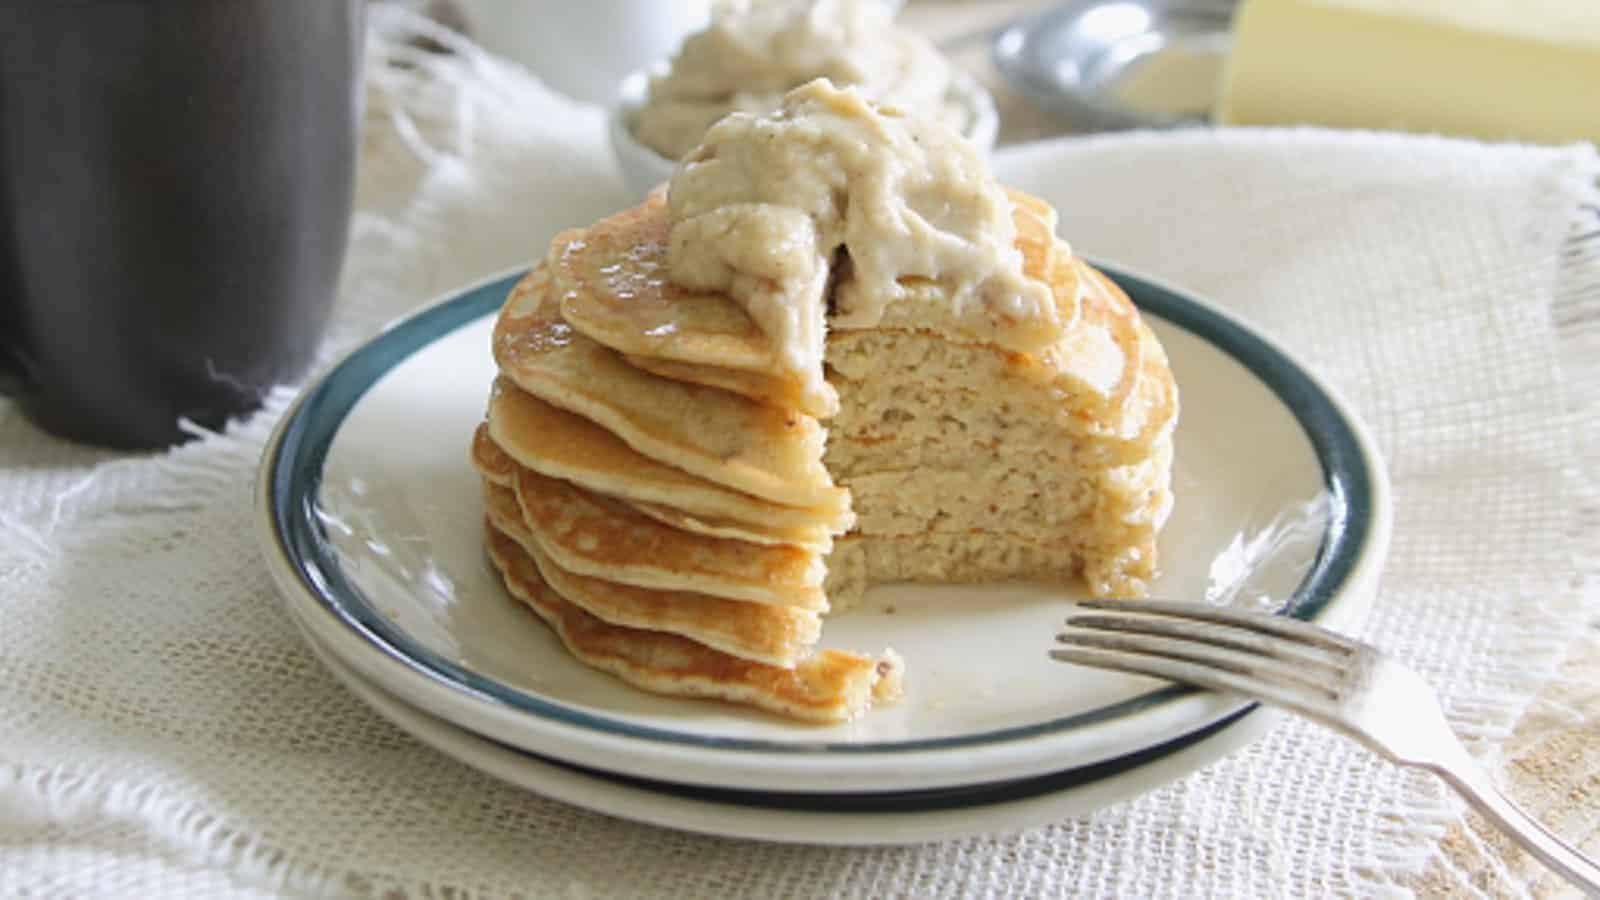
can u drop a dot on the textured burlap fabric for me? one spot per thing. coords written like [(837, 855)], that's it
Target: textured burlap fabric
[(163, 731)]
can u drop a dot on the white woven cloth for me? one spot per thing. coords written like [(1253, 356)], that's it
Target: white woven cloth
[(163, 731)]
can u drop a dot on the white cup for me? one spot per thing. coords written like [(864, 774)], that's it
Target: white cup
[(583, 48)]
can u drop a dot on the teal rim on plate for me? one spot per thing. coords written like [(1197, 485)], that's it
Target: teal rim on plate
[(295, 466)]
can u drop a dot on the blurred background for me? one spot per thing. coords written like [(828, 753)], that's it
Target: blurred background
[(1517, 70)]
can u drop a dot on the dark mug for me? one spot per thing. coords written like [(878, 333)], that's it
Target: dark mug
[(176, 178)]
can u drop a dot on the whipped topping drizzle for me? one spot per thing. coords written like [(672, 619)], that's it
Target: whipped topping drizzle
[(832, 192)]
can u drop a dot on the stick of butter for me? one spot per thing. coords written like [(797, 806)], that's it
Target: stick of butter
[(1495, 69)]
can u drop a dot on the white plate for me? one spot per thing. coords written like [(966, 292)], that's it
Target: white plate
[(371, 520), (876, 819)]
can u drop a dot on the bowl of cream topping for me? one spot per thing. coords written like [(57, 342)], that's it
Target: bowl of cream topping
[(746, 60)]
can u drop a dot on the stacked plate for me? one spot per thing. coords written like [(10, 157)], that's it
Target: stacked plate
[(370, 515)]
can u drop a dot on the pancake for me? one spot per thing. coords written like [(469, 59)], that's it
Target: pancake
[(941, 435), (659, 487), (712, 526), (562, 445), (775, 635), (492, 463), (594, 535), (1101, 363), (635, 308), (829, 686), (764, 450), (755, 385), (614, 288), (498, 468), (1035, 221)]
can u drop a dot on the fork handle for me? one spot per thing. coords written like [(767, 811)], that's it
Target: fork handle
[(1474, 784)]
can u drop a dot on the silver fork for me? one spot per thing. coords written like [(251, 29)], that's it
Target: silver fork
[(1344, 684)]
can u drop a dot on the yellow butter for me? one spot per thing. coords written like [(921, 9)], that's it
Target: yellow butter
[(1494, 69)]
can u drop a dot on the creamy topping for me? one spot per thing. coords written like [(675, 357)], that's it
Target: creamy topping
[(747, 60), (831, 191)]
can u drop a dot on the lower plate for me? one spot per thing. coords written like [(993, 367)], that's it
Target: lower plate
[(841, 819)]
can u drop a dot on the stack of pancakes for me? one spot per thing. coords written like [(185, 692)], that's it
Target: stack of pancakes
[(659, 487)]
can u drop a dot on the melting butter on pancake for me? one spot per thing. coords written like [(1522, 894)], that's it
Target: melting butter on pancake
[(772, 453), (594, 535), (776, 635), (562, 445), (829, 686)]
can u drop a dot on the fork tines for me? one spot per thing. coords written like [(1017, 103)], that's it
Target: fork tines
[(1343, 684), (1273, 657)]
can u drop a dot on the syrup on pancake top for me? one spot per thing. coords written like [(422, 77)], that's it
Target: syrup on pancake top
[(834, 202)]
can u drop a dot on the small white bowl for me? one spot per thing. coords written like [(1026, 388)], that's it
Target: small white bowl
[(644, 168)]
